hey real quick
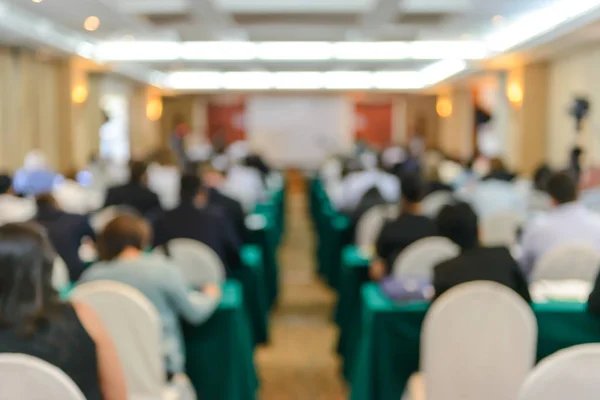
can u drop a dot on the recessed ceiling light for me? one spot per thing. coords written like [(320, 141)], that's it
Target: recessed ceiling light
[(91, 23), (37, 1), (498, 19)]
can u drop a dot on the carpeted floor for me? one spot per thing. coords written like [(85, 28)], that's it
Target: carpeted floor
[(300, 363)]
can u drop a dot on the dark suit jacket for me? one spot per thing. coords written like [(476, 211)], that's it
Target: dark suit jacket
[(207, 225), (232, 209), (594, 299), (481, 264), (133, 195), (66, 232)]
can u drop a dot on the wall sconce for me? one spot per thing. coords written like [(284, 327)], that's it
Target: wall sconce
[(154, 109), (79, 94), (443, 106), (514, 93)]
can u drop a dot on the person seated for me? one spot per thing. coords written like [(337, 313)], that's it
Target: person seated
[(568, 222), (459, 223), (135, 193), (434, 181), (75, 198), (13, 208), (122, 259), (409, 227), (541, 177), (34, 321), (246, 185), (164, 177), (66, 232), (35, 177), (214, 180), (594, 299), (498, 171), (195, 219)]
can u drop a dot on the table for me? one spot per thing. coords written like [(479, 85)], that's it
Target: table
[(354, 272), (251, 275), (388, 345), (219, 352), (266, 239)]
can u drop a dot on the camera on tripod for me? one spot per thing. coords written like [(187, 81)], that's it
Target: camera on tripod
[(580, 110)]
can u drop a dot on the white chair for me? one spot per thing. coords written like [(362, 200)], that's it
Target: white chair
[(591, 199), (478, 342), (433, 203), (570, 261), (25, 377), (198, 263), (60, 274), (102, 218), (371, 223), (419, 259), (136, 330), (501, 228), (572, 373)]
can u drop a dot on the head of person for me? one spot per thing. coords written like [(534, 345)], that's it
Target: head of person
[(192, 190), (496, 164), (125, 234), (5, 184), (137, 172), (27, 298), (562, 188), (413, 191), (35, 160), (459, 223), (541, 177), (46, 202), (212, 176)]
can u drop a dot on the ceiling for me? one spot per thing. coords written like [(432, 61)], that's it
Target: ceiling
[(173, 22)]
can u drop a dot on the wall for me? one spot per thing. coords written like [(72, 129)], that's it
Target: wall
[(573, 74), (455, 137)]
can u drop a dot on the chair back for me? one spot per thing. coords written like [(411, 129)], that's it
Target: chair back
[(60, 274), (136, 330), (568, 374), (591, 199), (102, 218), (501, 228), (433, 203), (478, 342), (371, 223), (25, 377), (198, 263), (570, 261), (419, 259)]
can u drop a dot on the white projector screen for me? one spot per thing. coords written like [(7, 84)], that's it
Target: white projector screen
[(299, 131)]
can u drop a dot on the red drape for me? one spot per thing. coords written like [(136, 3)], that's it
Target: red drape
[(226, 120), (374, 123)]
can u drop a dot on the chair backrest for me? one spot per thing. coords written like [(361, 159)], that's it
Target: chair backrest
[(568, 374), (100, 219), (419, 259), (539, 201), (199, 264), (60, 274), (135, 328), (371, 223), (501, 228), (591, 199), (478, 342), (570, 261), (25, 377), (433, 203)]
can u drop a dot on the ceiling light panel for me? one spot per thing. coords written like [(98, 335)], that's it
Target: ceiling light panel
[(137, 51), (224, 51), (348, 80), (194, 80), (298, 80), (397, 80), (371, 50), (294, 50), (247, 80), (434, 50)]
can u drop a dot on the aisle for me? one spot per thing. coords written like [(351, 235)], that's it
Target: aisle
[(300, 363)]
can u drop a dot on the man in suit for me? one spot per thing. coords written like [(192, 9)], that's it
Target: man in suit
[(135, 193), (459, 223), (195, 219), (214, 180), (66, 232), (409, 227)]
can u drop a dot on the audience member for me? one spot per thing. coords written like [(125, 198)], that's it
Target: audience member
[(459, 223), (35, 177), (135, 193), (120, 247), (73, 197), (568, 222), (195, 219), (246, 185), (541, 177), (498, 171), (66, 232), (13, 208), (409, 227), (35, 322), (594, 299), (164, 177), (214, 180)]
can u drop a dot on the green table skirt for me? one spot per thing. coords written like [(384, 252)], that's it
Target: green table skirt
[(219, 352), (389, 340)]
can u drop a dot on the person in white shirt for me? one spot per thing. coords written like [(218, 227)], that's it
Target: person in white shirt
[(75, 198), (13, 208), (164, 179), (568, 222)]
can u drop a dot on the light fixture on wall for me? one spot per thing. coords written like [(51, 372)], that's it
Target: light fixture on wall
[(514, 92), (444, 107), (79, 94), (154, 109), (91, 23)]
